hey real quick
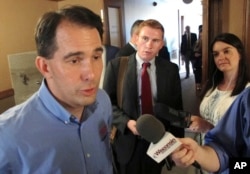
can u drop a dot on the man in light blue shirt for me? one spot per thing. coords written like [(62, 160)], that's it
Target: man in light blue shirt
[(64, 127)]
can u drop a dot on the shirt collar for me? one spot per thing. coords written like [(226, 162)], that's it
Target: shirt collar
[(140, 61), (57, 109), (133, 45)]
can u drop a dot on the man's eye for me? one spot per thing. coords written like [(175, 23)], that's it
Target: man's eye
[(145, 38), (74, 61), (97, 56)]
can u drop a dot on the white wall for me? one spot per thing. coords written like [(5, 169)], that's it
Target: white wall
[(165, 12)]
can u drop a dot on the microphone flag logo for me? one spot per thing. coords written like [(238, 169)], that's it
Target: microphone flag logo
[(160, 150)]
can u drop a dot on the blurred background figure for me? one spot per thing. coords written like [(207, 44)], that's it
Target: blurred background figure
[(109, 53), (197, 60), (130, 47), (164, 53), (187, 43)]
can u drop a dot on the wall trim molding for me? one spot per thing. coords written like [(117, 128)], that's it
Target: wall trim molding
[(6, 93)]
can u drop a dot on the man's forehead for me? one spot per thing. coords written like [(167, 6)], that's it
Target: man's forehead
[(143, 32)]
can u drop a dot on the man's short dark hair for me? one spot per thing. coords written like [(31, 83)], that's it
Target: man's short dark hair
[(45, 32), (135, 26), (200, 28)]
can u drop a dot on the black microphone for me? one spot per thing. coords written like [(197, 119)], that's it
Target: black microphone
[(162, 143), (176, 118), (150, 128)]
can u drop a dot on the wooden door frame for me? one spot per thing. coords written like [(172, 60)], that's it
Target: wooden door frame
[(119, 4), (212, 25), (246, 33)]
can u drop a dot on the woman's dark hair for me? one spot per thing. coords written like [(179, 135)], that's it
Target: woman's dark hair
[(215, 76), (45, 32)]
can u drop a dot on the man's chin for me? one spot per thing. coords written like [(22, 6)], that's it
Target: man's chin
[(89, 100)]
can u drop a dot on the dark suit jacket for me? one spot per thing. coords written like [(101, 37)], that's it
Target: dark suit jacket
[(164, 53), (168, 92), (184, 46), (127, 50), (111, 52)]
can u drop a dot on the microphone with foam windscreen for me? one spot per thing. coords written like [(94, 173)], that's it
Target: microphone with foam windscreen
[(162, 143), (152, 130)]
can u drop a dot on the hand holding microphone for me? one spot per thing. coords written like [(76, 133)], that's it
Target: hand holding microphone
[(162, 143)]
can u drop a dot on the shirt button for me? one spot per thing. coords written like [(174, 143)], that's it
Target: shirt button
[(66, 122), (88, 155)]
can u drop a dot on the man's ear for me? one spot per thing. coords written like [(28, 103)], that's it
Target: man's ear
[(136, 39), (42, 65)]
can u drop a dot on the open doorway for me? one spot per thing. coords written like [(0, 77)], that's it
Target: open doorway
[(189, 14)]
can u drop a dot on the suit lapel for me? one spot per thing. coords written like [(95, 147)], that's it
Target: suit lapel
[(161, 78), (130, 82)]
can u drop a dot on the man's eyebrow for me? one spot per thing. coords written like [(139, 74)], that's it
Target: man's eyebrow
[(78, 53), (99, 49), (73, 54)]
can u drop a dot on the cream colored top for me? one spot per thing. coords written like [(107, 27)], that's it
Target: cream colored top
[(215, 104)]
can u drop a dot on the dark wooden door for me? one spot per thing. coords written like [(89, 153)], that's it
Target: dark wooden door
[(112, 32), (212, 25), (246, 32)]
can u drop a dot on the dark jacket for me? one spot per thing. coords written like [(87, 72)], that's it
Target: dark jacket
[(168, 92), (127, 50), (164, 53), (184, 45), (111, 52)]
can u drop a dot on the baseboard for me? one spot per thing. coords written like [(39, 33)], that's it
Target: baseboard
[(6, 93)]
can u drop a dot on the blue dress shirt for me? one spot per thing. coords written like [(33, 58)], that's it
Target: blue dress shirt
[(231, 136), (41, 137)]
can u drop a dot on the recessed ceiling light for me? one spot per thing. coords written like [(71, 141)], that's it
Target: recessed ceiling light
[(187, 1)]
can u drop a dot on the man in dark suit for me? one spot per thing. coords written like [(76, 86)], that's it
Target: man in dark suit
[(130, 149), (164, 53), (187, 44), (130, 47), (109, 52)]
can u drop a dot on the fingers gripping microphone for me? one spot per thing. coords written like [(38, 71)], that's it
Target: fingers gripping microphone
[(162, 143)]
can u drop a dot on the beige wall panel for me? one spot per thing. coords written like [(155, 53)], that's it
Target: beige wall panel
[(95, 5), (17, 22)]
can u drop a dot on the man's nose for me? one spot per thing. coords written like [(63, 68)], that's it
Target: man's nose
[(149, 43), (87, 71)]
